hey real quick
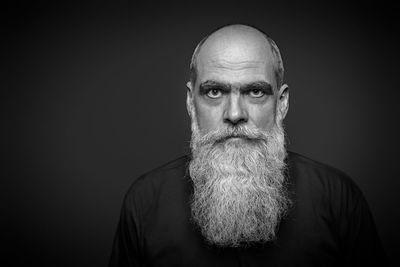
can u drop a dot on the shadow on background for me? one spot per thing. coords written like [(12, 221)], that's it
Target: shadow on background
[(94, 96)]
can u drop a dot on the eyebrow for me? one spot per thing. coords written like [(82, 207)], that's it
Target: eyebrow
[(208, 85), (264, 87)]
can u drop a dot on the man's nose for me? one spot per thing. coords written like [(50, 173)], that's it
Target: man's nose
[(235, 112)]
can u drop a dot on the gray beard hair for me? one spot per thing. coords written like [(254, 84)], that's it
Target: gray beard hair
[(239, 192)]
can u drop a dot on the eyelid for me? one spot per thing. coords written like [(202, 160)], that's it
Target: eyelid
[(211, 89), (260, 91), (266, 89)]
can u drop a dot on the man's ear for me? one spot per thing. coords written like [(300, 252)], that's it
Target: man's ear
[(283, 100), (189, 98)]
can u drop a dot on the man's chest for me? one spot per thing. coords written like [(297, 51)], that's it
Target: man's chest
[(305, 238)]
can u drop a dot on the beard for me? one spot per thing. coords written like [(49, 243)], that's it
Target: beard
[(239, 184)]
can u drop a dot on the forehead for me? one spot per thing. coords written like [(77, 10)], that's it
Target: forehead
[(236, 57)]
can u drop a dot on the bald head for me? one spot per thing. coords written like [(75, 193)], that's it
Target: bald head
[(236, 47)]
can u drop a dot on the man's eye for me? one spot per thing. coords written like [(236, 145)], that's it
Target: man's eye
[(214, 93), (256, 93)]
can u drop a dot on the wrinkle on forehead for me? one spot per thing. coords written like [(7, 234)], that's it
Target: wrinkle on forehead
[(236, 65), (235, 53)]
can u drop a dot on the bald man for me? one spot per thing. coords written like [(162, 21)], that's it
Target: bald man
[(241, 199)]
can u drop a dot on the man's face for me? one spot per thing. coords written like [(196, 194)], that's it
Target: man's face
[(237, 140), (236, 84)]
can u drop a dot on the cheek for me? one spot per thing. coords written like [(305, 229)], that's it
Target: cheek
[(263, 117), (208, 117)]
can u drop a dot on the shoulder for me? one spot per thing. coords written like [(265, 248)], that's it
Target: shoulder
[(311, 169), (307, 164), (147, 187), (322, 181), (171, 167)]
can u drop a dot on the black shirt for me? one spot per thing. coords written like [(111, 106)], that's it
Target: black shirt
[(329, 223)]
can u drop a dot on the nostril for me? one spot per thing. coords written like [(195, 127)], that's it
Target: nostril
[(235, 121)]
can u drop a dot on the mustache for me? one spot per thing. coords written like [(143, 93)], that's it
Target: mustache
[(221, 135)]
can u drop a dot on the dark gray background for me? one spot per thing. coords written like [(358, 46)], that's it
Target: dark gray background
[(93, 96)]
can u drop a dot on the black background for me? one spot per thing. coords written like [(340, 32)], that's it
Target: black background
[(93, 95)]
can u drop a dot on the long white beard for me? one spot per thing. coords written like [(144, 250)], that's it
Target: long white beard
[(239, 194)]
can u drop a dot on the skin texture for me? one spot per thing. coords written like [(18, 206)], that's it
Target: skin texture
[(229, 63)]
